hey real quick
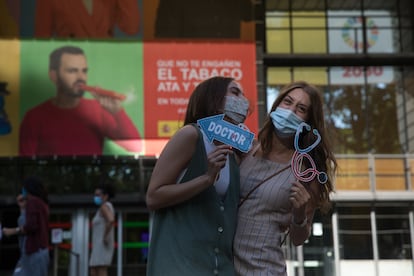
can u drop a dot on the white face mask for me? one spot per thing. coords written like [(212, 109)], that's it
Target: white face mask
[(285, 121), (236, 108)]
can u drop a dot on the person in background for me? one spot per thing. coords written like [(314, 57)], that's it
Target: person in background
[(69, 124), (21, 220), (194, 189), (274, 202), (103, 238), (86, 18), (35, 258)]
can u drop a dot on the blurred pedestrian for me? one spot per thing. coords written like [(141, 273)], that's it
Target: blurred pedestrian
[(35, 260), (103, 238), (21, 220)]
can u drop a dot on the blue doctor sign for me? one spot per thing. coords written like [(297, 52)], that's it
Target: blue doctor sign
[(218, 129)]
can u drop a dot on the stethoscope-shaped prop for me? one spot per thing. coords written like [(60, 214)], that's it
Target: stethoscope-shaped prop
[(299, 131), (310, 173)]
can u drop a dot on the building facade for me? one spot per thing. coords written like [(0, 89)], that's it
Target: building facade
[(361, 55)]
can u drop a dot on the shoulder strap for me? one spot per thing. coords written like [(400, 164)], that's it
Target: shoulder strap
[(198, 159), (242, 200)]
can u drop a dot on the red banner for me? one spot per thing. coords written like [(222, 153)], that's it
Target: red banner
[(173, 70)]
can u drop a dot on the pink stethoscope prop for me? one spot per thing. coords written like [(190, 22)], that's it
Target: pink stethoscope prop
[(308, 174)]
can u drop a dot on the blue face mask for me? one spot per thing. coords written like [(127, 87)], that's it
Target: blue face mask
[(97, 200), (24, 192), (285, 122)]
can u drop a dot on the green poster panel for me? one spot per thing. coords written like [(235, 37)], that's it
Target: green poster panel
[(115, 66)]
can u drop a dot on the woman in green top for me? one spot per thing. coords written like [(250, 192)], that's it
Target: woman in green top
[(194, 190)]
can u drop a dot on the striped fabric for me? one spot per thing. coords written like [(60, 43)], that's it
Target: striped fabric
[(257, 242)]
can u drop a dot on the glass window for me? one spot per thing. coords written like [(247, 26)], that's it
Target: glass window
[(135, 244), (278, 33), (63, 221), (349, 27), (309, 35), (355, 238), (353, 31), (9, 249), (363, 106), (393, 230), (318, 250), (9, 177), (81, 175), (299, 32)]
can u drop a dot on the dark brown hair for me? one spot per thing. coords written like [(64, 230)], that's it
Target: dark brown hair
[(56, 56), (207, 99), (35, 187), (107, 187)]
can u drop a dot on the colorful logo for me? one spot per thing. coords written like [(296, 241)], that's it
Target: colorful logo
[(350, 30)]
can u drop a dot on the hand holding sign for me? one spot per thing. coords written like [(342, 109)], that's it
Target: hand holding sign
[(217, 129)]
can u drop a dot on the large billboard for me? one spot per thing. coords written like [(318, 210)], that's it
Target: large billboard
[(42, 117), (151, 53), (110, 66)]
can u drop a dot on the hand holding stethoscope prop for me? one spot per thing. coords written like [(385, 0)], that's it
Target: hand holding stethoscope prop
[(308, 174)]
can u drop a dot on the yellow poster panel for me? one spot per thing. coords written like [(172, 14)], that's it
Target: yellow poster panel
[(313, 75), (309, 32), (9, 96), (305, 30), (284, 75)]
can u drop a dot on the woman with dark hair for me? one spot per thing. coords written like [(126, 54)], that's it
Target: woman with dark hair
[(194, 189), (35, 259), (275, 196), (103, 230)]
